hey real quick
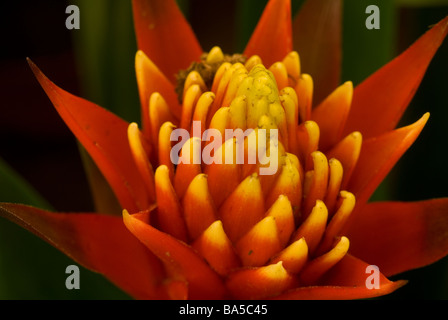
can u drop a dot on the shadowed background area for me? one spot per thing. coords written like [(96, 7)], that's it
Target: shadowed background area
[(41, 159)]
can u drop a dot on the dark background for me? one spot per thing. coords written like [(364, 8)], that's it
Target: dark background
[(37, 145)]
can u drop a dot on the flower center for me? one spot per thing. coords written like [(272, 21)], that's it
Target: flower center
[(206, 68)]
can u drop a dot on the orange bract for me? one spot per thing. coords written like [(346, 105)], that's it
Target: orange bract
[(225, 230)]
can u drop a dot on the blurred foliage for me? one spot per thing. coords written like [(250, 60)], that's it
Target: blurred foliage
[(105, 48), (421, 3), (29, 267), (15, 189)]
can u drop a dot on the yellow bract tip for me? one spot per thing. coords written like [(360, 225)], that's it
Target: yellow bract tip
[(292, 64), (215, 55), (252, 61), (317, 267), (293, 257), (258, 245)]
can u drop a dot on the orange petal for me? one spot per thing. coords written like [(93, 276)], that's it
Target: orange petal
[(316, 268), (176, 289), (252, 62), (379, 155), (334, 183), (162, 33), (222, 70), (99, 242), (280, 73), (272, 38), (282, 213), (338, 221), (220, 121), (221, 84), (313, 227), (317, 37), (199, 209), (104, 135), (189, 165), (259, 244), (217, 249), (237, 113), (159, 113), (293, 68), (243, 208), (318, 184), (164, 147), (188, 106), (345, 281), (347, 152), (221, 188), (201, 111), (236, 79), (194, 78), (351, 271), (260, 283), (293, 257), (399, 236), (304, 89), (180, 259), (289, 101), (136, 143), (169, 211), (331, 115), (289, 184), (338, 292), (308, 134), (379, 102), (150, 80)]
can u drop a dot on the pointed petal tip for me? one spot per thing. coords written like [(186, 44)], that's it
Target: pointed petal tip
[(348, 84), (127, 219), (96, 241), (412, 231), (444, 24), (153, 22), (398, 80), (37, 72), (419, 124), (379, 154), (275, 24), (103, 134), (125, 214), (138, 56)]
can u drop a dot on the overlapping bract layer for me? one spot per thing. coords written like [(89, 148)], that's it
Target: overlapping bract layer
[(225, 231), (263, 234)]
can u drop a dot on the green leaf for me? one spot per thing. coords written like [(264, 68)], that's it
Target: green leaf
[(105, 48), (14, 188), (29, 267), (364, 50), (248, 12)]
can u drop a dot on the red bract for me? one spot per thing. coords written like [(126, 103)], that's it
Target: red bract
[(225, 231)]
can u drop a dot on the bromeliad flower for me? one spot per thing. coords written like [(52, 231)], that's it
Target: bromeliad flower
[(223, 229)]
